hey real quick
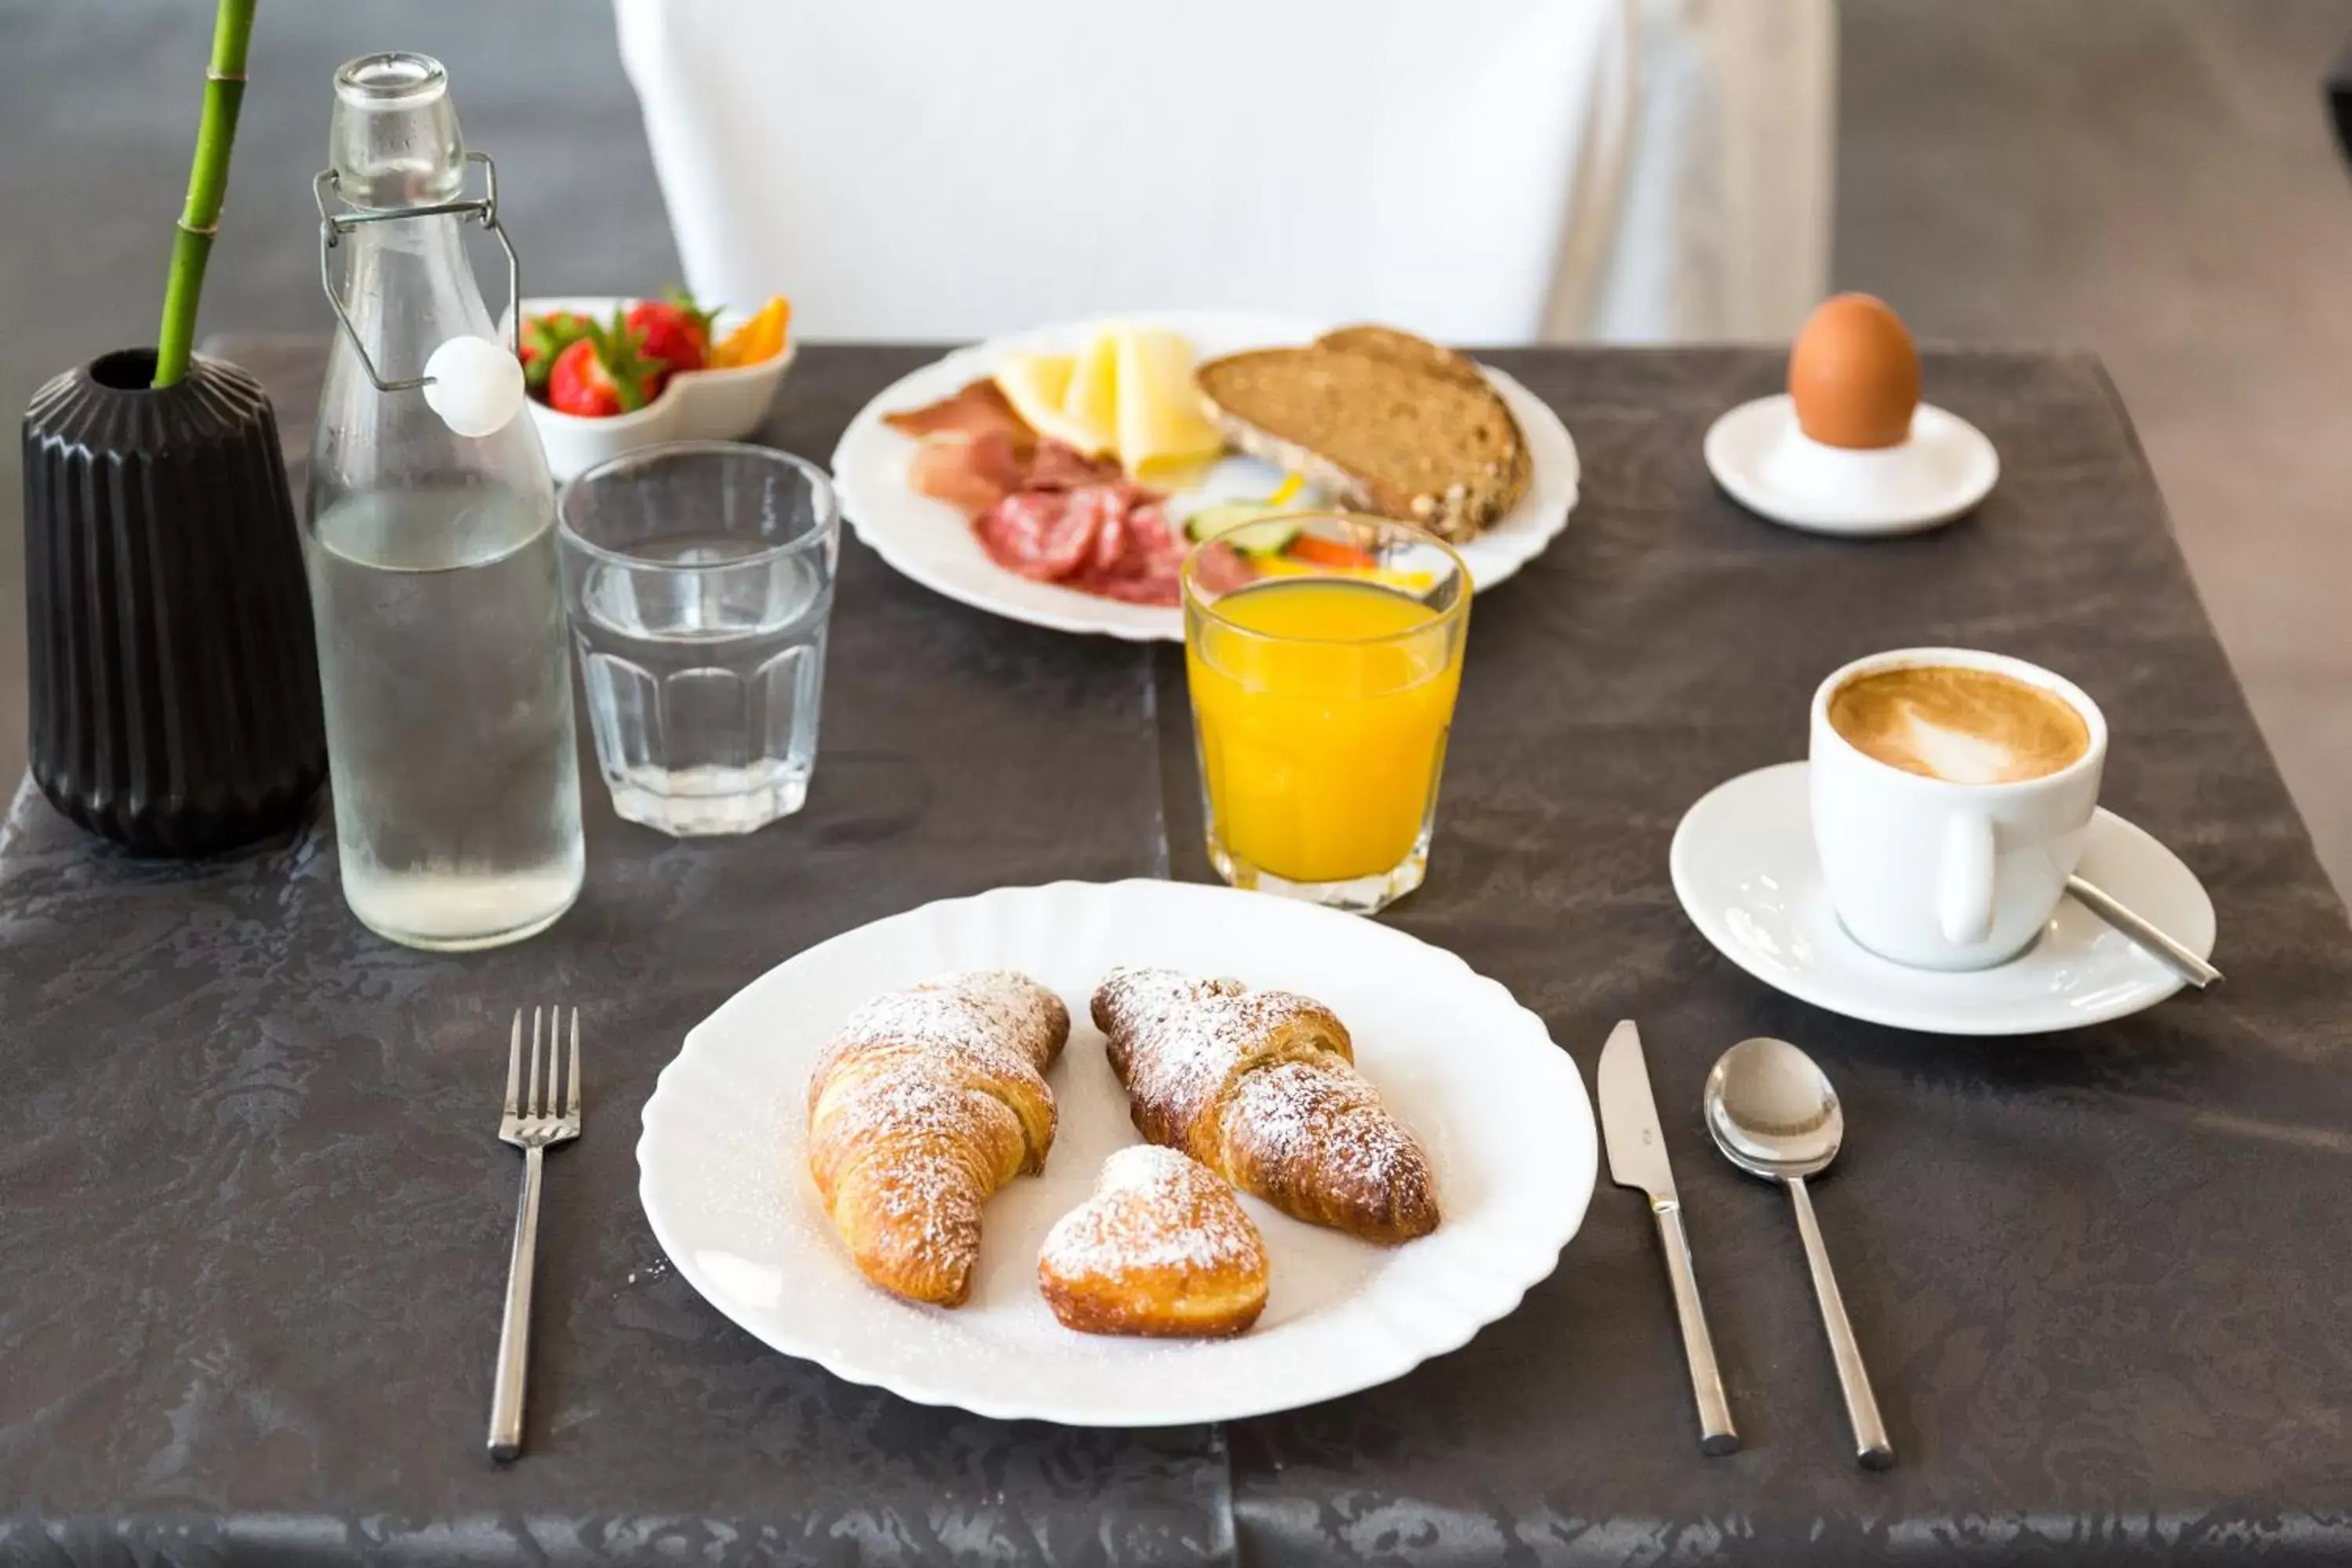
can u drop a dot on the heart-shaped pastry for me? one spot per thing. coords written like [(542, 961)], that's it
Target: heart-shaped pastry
[(1162, 1248)]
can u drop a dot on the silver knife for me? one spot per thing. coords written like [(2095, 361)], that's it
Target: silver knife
[(1637, 1158)]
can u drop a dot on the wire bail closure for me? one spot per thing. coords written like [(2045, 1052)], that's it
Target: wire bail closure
[(334, 226)]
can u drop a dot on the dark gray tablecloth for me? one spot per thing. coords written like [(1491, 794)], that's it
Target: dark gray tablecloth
[(254, 1226)]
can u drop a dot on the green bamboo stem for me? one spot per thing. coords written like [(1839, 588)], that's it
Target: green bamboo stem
[(192, 247)]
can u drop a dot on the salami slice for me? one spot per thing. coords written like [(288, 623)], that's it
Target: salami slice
[(1052, 514), (1110, 509), (1041, 534), (1135, 557)]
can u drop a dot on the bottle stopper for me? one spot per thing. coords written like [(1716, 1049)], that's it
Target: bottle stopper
[(475, 386)]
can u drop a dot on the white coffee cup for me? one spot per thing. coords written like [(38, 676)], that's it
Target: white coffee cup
[(1943, 875)]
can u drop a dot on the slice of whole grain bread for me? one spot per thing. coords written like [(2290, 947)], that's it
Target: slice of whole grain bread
[(1384, 421), (1404, 349)]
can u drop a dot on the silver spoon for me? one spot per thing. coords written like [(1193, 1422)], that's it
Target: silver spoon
[(1774, 1115), (2179, 959)]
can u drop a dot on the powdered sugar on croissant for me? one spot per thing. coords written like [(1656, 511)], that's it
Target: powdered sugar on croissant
[(1162, 1248), (1261, 1086), (925, 1103)]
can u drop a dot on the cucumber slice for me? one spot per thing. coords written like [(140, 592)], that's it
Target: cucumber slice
[(1220, 516), (1223, 517)]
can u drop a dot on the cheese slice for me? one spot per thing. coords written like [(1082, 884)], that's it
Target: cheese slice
[(1037, 386), (1130, 390), (1091, 399), (1162, 427)]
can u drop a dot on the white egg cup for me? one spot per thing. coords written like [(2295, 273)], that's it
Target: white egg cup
[(693, 406), (1767, 463)]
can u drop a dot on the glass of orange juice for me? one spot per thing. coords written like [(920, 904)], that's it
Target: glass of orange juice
[(1323, 650)]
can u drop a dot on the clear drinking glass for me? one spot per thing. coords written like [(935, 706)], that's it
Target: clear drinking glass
[(1323, 652), (699, 580)]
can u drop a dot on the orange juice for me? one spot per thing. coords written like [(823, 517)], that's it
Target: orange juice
[(1321, 708)]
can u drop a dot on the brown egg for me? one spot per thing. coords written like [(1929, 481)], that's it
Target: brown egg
[(1854, 374)]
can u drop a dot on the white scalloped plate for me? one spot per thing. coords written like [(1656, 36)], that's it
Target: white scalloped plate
[(930, 541), (1501, 1110)]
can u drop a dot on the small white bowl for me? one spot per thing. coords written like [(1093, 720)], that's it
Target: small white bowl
[(695, 406)]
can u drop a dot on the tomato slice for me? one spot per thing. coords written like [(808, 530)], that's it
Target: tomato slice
[(1318, 551)]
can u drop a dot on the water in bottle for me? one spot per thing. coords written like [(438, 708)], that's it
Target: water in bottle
[(433, 564)]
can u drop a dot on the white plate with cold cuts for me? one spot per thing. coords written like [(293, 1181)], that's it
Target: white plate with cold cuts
[(1745, 871), (1500, 1110), (931, 543)]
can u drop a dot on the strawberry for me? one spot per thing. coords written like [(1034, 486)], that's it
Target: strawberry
[(677, 331), (603, 371), (578, 384), (543, 338)]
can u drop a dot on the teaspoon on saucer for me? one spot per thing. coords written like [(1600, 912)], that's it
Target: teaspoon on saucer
[(2180, 959), (1773, 1114)]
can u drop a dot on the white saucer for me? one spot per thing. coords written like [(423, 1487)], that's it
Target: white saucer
[(1745, 870), (1758, 455)]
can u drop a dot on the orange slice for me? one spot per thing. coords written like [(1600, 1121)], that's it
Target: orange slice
[(761, 338)]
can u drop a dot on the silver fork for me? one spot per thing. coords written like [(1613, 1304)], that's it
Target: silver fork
[(536, 1117)]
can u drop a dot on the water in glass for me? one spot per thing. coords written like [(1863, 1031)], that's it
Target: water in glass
[(701, 578), (706, 700)]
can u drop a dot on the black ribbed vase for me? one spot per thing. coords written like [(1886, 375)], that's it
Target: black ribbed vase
[(175, 685)]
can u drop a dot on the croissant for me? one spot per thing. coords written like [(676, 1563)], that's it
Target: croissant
[(1262, 1088), (923, 1106), (1164, 1248)]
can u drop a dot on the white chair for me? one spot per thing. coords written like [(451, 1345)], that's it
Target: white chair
[(1480, 171)]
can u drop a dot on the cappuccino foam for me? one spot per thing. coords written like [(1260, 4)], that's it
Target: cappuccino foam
[(1959, 724)]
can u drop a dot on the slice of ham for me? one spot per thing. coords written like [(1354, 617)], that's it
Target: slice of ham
[(1057, 466), (975, 410), (971, 472)]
